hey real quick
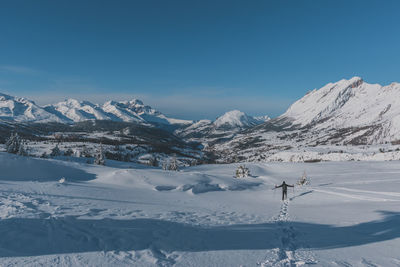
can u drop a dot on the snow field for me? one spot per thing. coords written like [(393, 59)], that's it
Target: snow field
[(142, 216)]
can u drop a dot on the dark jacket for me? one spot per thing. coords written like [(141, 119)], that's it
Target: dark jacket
[(284, 186)]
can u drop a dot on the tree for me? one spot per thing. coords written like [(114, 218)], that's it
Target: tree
[(165, 164), (153, 161), (100, 158), (13, 143), (242, 172), (69, 152), (55, 151), (173, 165), (170, 164), (127, 157), (85, 152), (304, 180), (21, 150)]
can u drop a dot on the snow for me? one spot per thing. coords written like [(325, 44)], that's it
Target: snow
[(71, 110), (350, 103), (21, 110), (133, 215), (237, 118)]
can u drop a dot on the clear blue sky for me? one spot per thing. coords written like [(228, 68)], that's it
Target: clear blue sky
[(194, 59)]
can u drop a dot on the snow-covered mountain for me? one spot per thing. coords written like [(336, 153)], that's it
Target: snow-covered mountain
[(238, 119), (134, 110), (223, 127), (348, 104), (348, 112), (72, 110), (19, 109)]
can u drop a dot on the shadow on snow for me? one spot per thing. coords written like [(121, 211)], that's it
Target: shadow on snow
[(28, 237), (18, 168)]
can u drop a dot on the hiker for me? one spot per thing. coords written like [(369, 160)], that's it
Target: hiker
[(284, 189)]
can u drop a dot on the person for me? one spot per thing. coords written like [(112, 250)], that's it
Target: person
[(284, 189)]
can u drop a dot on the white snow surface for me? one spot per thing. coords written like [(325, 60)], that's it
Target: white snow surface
[(124, 214)]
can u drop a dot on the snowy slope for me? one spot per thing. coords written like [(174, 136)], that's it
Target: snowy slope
[(140, 216)]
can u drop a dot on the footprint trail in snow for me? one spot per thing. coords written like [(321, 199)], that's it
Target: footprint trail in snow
[(287, 254)]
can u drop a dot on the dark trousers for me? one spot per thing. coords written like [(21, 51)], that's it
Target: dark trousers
[(284, 194)]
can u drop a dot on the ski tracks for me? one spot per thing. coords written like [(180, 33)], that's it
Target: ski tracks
[(287, 254)]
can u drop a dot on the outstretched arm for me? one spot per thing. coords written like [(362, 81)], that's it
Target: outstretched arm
[(277, 186), (290, 185)]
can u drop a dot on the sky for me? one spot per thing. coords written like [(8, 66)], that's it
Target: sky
[(194, 59)]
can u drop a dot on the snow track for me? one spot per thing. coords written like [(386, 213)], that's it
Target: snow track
[(287, 254)]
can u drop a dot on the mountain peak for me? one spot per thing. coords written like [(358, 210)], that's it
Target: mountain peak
[(235, 118), (355, 81)]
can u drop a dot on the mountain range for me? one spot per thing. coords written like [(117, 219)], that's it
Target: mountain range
[(347, 112), (344, 113), (22, 110)]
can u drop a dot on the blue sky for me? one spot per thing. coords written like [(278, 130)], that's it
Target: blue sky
[(194, 59)]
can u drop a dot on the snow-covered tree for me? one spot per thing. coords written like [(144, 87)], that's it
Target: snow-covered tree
[(85, 152), (304, 180), (153, 161), (100, 158), (242, 172), (127, 157), (13, 143), (21, 150), (173, 165), (69, 152), (165, 164), (170, 164), (55, 151)]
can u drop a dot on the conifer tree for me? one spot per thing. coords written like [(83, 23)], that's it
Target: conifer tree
[(13, 143), (100, 157)]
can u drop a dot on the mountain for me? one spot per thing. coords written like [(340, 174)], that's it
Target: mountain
[(350, 104), (72, 110), (347, 112), (134, 110), (341, 114), (238, 119), (17, 109), (223, 128)]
